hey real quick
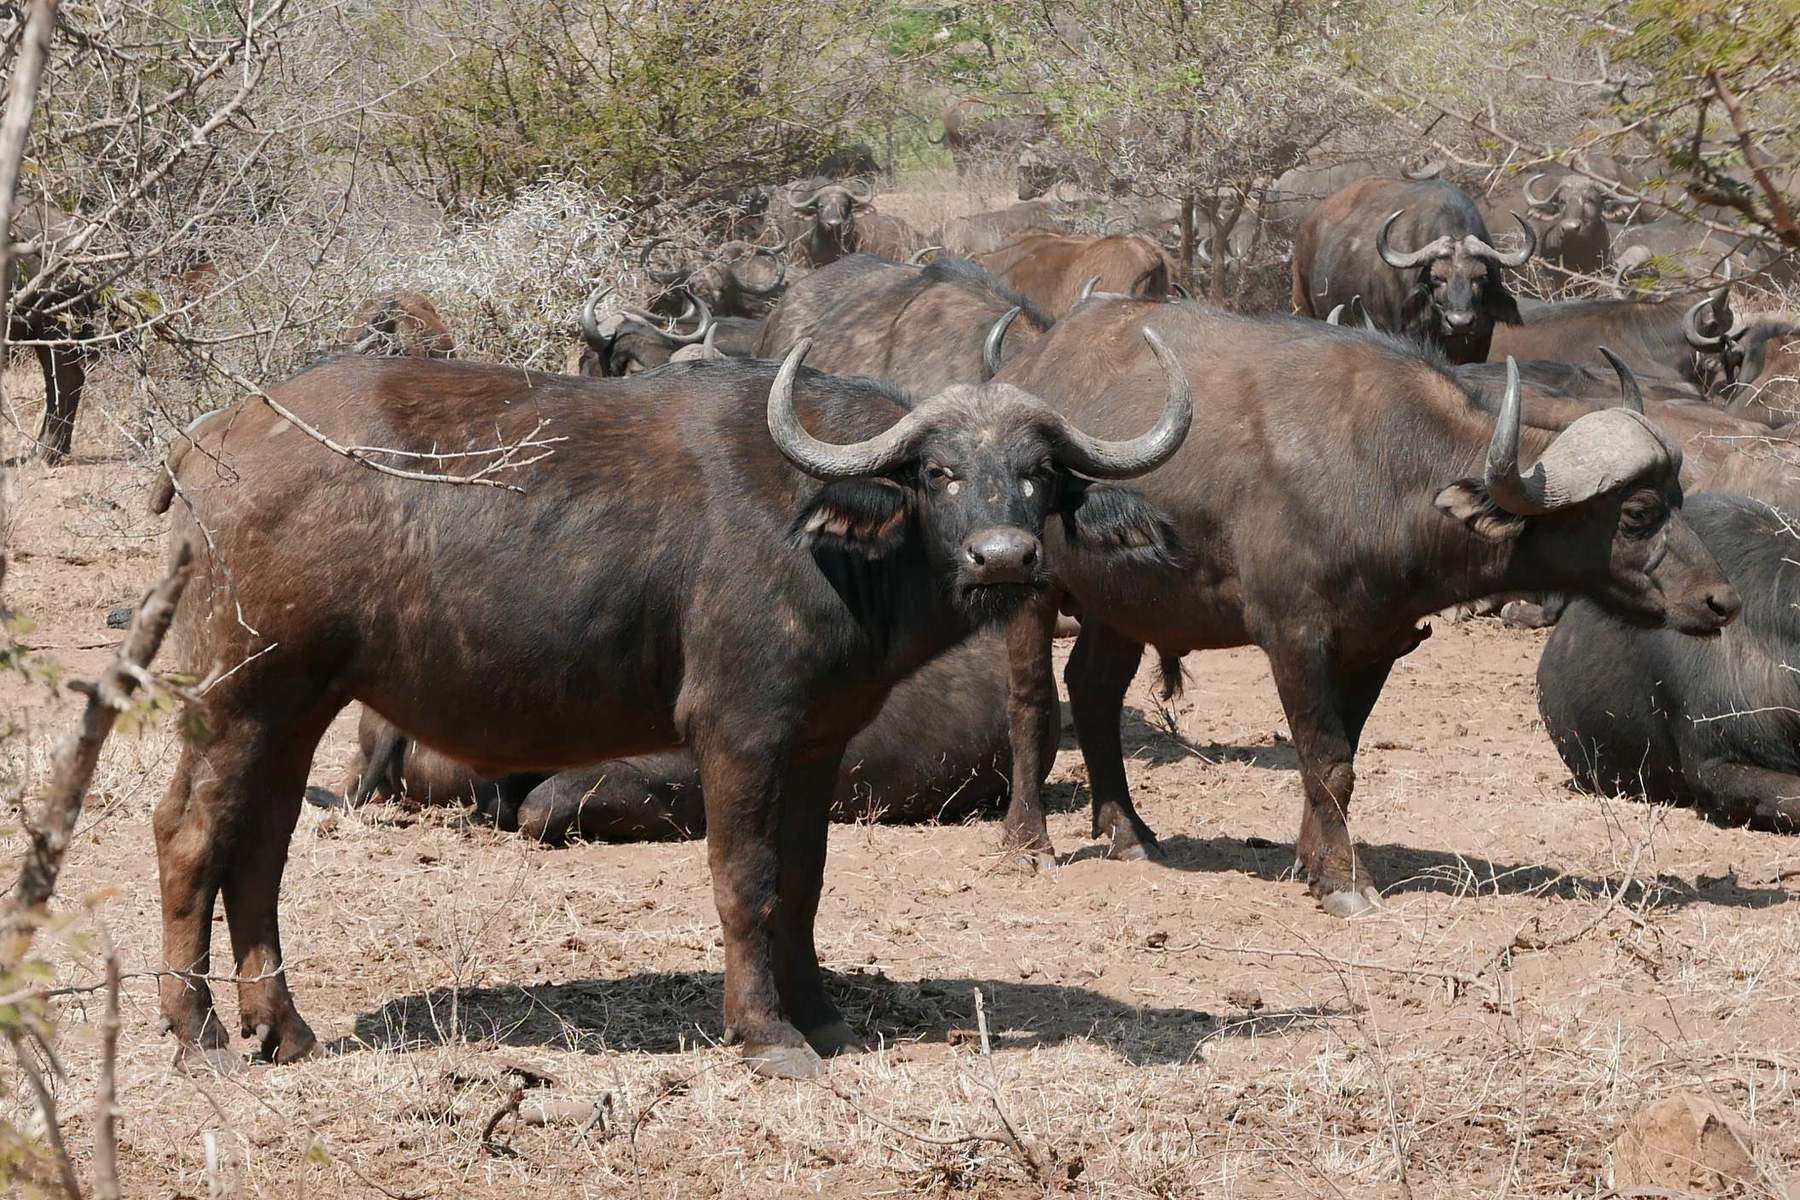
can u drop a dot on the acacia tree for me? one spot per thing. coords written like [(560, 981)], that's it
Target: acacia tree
[(1202, 104)]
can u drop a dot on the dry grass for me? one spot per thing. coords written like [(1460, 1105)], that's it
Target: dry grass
[(1144, 1044)]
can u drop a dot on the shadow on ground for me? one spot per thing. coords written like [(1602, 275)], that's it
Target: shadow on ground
[(667, 1012)]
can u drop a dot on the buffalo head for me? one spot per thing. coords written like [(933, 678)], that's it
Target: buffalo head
[(1600, 513), (630, 340), (1459, 277), (971, 476), (832, 206), (1574, 213)]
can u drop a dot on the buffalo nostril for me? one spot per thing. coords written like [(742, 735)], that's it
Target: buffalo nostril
[(1724, 603), (977, 557)]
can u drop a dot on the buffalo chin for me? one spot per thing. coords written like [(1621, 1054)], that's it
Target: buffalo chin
[(994, 603)]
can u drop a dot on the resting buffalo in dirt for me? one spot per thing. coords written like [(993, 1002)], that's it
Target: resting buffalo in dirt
[(920, 328), (1709, 722), (1679, 338), (1419, 256), (1054, 268), (1337, 488), (739, 279), (716, 555), (404, 323), (1763, 357), (937, 751), (629, 340)]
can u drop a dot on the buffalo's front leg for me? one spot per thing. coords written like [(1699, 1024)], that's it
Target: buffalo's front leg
[(742, 784), (805, 832), (1032, 715), (1326, 707), (1100, 670)]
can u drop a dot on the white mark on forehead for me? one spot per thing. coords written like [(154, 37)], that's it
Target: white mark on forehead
[(954, 487), (1028, 488)]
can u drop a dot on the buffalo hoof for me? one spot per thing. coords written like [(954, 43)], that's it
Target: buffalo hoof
[(783, 1062), (1025, 860), (292, 1044), (209, 1060), (1351, 902), (835, 1038), (1136, 850)]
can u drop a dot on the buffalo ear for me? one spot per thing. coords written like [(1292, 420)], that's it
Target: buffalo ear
[(864, 517), (1469, 502), (1500, 303), (1104, 518)]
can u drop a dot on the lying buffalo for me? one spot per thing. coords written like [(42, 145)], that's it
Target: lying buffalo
[(1709, 722), (1764, 356), (1679, 338), (1419, 256), (921, 328), (1053, 269), (1337, 488), (937, 751), (719, 555), (739, 279), (630, 340)]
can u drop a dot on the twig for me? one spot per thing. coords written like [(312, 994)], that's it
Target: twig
[(52, 1126), (509, 1108), (1033, 1162), (1778, 205), (52, 824), (106, 1108), (1460, 978)]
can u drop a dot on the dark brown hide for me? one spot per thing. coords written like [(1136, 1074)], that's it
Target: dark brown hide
[(985, 232), (921, 328), (1647, 334)]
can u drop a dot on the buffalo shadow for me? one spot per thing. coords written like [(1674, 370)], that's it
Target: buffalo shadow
[(655, 1012)]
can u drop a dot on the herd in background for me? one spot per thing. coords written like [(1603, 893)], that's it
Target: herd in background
[(831, 590)]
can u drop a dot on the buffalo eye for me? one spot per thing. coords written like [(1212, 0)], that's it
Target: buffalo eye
[(1642, 514), (941, 477)]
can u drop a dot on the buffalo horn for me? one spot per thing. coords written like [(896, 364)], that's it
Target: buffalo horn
[(662, 277), (1481, 249), (590, 315), (990, 349), (1531, 197), (780, 271), (1690, 328), (823, 460), (1335, 316), (1087, 289), (800, 199), (1630, 394), (1596, 453), (1406, 260), (860, 190), (1430, 170), (703, 321), (1099, 459), (917, 257)]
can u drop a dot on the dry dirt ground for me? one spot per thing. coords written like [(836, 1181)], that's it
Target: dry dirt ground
[(1545, 963)]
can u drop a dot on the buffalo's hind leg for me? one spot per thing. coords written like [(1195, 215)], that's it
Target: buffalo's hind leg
[(1736, 792), (224, 826), (1101, 668)]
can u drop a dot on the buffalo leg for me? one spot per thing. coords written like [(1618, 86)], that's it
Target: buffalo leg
[(742, 785), (805, 832), (1326, 708), (64, 374), (1031, 704), (1756, 796), (1100, 669), (188, 871)]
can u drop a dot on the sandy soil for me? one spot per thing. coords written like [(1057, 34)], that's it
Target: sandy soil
[(1546, 962)]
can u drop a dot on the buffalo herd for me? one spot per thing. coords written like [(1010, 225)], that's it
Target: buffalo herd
[(807, 519)]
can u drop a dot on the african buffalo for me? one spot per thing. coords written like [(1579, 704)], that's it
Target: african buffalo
[(630, 340), (402, 322), (937, 751), (1680, 338), (1708, 722), (1571, 215), (974, 144), (56, 309), (1336, 488), (921, 328), (729, 282), (1763, 357), (823, 222), (1053, 268), (1445, 288), (668, 570)]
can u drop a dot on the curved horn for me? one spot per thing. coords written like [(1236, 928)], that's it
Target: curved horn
[(703, 321), (1406, 260), (1335, 316), (708, 347), (780, 271), (1630, 394), (996, 338), (1481, 249), (799, 199), (1531, 197), (662, 277), (1720, 302), (590, 315), (823, 460), (1360, 311), (1098, 459), (1690, 329), (860, 189), (1430, 170), (917, 257), (1596, 453), (1087, 289)]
